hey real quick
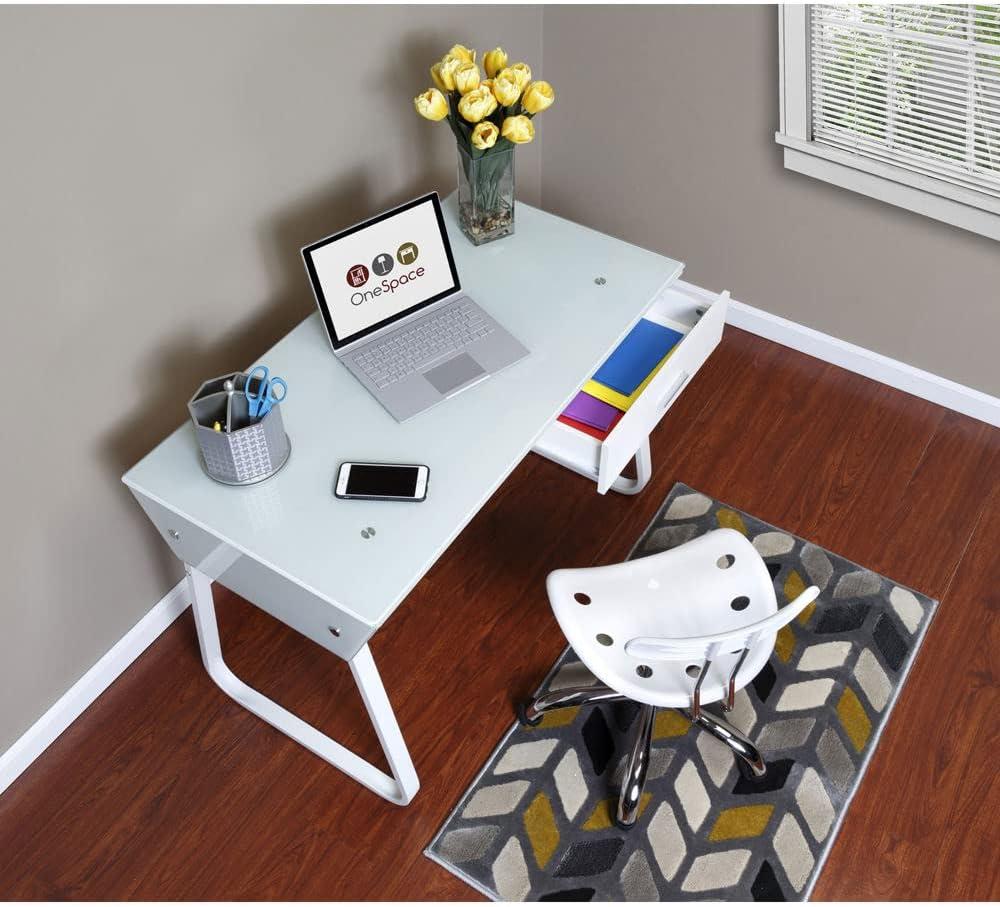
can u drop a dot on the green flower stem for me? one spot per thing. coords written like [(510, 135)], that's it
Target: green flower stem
[(485, 172), (484, 168)]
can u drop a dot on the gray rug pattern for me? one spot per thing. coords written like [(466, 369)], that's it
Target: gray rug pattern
[(536, 822)]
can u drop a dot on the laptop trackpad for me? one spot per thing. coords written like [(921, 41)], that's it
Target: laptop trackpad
[(454, 373)]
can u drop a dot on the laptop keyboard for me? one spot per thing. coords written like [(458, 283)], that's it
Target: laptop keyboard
[(405, 352)]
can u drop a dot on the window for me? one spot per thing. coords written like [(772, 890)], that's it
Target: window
[(898, 102)]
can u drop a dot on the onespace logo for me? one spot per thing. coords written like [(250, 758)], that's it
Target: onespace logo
[(357, 276), (382, 265)]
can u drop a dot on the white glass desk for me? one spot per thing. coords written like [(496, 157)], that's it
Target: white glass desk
[(292, 549)]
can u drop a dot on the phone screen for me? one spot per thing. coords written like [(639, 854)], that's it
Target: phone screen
[(383, 481)]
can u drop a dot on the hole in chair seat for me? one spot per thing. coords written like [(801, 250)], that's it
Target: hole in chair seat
[(725, 562), (644, 671), (582, 598), (740, 603), (604, 639), (692, 670)]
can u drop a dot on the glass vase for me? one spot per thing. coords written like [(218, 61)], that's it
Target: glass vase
[(486, 194)]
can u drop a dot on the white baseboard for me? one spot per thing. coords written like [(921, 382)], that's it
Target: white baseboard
[(78, 697), (950, 394)]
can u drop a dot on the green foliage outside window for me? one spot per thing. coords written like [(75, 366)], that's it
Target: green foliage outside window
[(891, 84)]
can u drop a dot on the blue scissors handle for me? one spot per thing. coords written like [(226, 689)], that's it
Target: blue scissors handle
[(260, 403), (271, 397), (255, 399)]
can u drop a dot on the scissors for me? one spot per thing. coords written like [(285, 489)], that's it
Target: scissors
[(261, 402)]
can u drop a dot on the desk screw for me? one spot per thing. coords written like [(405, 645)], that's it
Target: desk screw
[(367, 533), (600, 281), (335, 631), (174, 534)]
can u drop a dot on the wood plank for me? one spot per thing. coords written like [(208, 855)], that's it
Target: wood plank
[(926, 805)]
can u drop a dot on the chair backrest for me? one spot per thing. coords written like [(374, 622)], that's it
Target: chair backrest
[(712, 588), (701, 648)]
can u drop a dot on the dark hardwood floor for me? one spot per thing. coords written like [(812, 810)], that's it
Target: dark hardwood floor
[(166, 789)]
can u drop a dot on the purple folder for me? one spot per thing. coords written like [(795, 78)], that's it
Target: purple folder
[(591, 411)]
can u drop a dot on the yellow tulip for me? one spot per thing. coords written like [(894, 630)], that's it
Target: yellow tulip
[(467, 77), (522, 72), (438, 78), (431, 104), (477, 105), (487, 83), (485, 135), (494, 60), (466, 54), (537, 97), (506, 88), (519, 130), (446, 71)]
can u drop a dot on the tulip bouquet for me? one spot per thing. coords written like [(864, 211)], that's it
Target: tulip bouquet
[(490, 117)]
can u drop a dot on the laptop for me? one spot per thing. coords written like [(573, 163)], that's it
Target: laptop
[(395, 313)]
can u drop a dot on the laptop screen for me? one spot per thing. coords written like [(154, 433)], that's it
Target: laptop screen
[(378, 271)]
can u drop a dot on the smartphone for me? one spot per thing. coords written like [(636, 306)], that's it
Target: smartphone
[(381, 482)]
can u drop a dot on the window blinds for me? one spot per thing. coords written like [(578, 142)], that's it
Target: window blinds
[(913, 86)]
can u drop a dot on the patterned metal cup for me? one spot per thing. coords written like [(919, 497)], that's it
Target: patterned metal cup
[(252, 450)]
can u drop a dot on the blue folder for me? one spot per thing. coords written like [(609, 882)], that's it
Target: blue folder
[(637, 355)]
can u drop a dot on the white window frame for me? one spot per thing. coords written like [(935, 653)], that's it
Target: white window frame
[(939, 199)]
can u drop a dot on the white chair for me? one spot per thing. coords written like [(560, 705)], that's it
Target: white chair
[(680, 629)]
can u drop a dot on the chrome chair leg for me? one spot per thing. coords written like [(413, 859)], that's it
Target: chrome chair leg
[(696, 695), (729, 703), (634, 779), (531, 712), (737, 741)]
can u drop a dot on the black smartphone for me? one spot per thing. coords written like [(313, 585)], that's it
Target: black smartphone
[(381, 482)]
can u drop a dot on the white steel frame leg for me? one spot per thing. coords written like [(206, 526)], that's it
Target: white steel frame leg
[(643, 472), (400, 787)]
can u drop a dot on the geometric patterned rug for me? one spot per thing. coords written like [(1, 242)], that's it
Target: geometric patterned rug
[(536, 824)]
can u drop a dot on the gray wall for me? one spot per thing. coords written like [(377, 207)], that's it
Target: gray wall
[(666, 139), (159, 170)]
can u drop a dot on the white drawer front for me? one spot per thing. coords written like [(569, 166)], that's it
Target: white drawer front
[(289, 602), (642, 417)]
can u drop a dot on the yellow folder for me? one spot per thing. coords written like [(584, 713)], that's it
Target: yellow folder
[(618, 400)]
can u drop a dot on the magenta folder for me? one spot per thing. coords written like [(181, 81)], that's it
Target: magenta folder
[(591, 411)]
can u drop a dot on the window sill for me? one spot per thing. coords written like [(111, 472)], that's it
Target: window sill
[(938, 199)]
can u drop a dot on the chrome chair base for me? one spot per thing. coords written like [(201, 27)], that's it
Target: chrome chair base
[(744, 749), (634, 779), (748, 757), (531, 713)]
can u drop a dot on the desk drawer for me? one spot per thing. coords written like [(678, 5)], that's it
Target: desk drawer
[(701, 316), (279, 596)]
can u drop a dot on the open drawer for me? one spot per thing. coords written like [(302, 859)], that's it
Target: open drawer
[(697, 314)]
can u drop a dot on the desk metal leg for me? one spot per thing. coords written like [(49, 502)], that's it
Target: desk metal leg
[(400, 787), (643, 472)]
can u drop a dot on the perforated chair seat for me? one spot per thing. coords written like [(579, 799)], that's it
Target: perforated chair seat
[(712, 585)]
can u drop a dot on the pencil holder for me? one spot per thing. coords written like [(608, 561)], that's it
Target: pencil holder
[(250, 450)]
